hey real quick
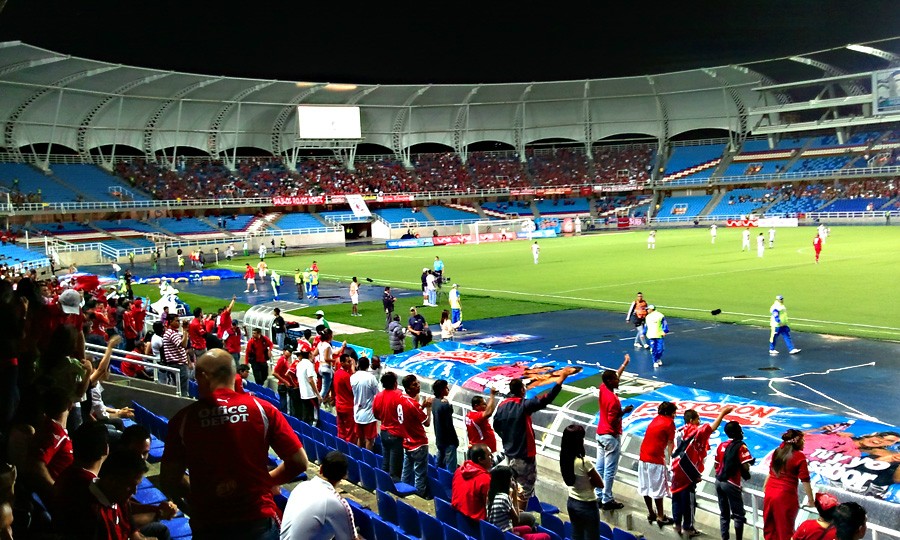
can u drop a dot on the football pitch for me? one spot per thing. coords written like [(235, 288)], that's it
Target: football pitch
[(851, 292)]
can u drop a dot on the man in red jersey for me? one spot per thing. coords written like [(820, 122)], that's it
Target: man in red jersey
[(733, 461), (817, 246), (609, 435), (232, 339), (197, 334), (384, 407), (478, 427), (223, 320), (259, 349), (229, 493), (653, 471), (414, 419), (250, 277), (50, 450), (343, 400)]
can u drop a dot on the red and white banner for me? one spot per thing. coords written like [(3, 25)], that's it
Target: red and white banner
[(298, 201)]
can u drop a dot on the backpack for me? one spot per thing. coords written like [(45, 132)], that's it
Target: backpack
[(731, 464)]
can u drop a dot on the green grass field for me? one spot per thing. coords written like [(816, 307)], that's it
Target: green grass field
[(852, 292)]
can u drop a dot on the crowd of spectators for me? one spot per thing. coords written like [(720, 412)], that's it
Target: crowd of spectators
[(559, 167), (631, 164)]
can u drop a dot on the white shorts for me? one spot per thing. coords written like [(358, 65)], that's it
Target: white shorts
[(653, 480), (251, 281), (354, 299)]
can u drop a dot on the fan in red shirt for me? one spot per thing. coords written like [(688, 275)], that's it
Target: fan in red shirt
[(259, 347), (414, 418), (197, 334), (50, 451), (653, 482), (232, 504), (129, 327), (130, 369), (286, 372), (478, 426), (693, 438), (384, 407), (223, 320), (232, 339), (733, 462), (343, 399)]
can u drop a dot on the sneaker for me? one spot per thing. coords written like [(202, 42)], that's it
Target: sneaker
[(637, 346), (612, 505), (773, 352), (794, 351), (693, 533), (658, 363), (646, 346)]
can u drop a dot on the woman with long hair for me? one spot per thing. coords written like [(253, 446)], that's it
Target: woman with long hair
[(501, 510), (579, 474), (788, 469), (448, 328)]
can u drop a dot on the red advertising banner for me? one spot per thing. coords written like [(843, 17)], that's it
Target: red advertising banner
[(298, 201), (742, 222)]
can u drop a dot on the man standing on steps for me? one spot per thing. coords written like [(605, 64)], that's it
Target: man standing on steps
[(609, 435), (512, 422), (778, 321)]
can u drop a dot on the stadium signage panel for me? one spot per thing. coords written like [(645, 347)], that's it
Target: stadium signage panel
[(410, 243), (298, 201)]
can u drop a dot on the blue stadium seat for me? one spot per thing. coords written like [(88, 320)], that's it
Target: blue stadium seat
[(367, 477), (352, 470), (355, 451), (438, 489), (468, 525), (371, 458), (490, 532), (310, 446), (342, 446), (281, 498), (551, 534), (386, 483), (605, 530), (408, 519), (387, 506), (452, 533), (619, 534), (321, 451), (327, 417), (553, 523), (179, 527), (295, 424), (432, 528), (363, 522), (444, 512), (568, 527), (150, 496), (383, 531), (535, 505)]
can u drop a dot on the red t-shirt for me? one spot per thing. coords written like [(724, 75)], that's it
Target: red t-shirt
[(224, 324), (139, 316), (129, 325), (479, 430), (385, 407), (343, 392), (258, 350), (129, 369), (659, 434), (743, 457), (695, 452), (239, 384), (53, 446), (111, 521), (411, 416), (233, 486), (233, 340), (250, 273), (285, 369), (610, 422), (70, 496), (196, 331), (811, 530)]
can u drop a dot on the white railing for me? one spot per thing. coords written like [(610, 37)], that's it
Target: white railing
[(148, 362), (807, 216)]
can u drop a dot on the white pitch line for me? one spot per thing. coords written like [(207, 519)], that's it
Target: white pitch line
[(563, 347), (626, 339), (531, 352), (598, 342)]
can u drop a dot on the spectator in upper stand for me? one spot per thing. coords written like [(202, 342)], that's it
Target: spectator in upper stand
[(365, 388), (471, 482), (414, 417), (444, 433), (384, 407), (512, 421), (478, 426), (258, 352), (239, 504), (343, 399)]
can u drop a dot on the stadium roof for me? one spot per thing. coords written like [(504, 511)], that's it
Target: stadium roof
[(88, 102)]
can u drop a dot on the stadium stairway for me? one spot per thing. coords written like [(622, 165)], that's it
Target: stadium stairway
[(476, 209), (223, 231), (266, 222), (712, 204)]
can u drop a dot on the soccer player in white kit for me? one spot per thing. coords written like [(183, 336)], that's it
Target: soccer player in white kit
[(535, 252), (745, 239), (651, 240), (713, 232), (771, 237), (760, 245)]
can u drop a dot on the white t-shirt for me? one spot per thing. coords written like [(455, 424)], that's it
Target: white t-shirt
[(365, 386), (156, 343), (305, 370), (535, 249), (325, 354), (429, 282), (315, 511)]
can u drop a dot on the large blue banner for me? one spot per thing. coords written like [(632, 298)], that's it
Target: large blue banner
[(479, 368), (856, 455)]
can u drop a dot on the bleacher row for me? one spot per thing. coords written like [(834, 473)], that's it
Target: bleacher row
[(394, 518)]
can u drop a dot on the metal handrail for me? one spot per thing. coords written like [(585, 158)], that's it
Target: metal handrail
[(120, 354)]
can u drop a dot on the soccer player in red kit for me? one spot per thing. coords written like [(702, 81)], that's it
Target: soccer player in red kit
[(229, 492), (817, 245)]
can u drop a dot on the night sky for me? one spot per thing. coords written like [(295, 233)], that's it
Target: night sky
[(421, 43)]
